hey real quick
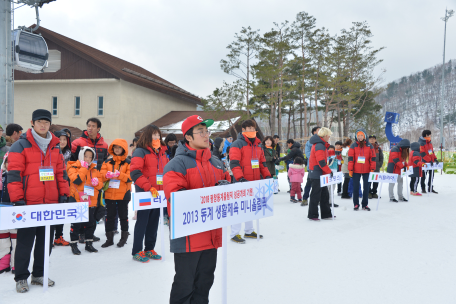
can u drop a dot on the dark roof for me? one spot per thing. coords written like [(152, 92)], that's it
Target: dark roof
[(177, 116), (119, 68)]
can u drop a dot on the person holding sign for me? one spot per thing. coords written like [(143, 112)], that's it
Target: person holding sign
[(415, 161), (247, 162), (85, 184), (116, 172), (317, 167), (427, 153), (398, 160), (35, 176), (147, 167), (361, 161), (195, 256)]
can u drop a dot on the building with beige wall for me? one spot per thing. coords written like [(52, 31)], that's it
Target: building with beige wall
[(90, 83)]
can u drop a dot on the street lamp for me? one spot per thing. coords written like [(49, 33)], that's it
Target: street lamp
[(448, 14)]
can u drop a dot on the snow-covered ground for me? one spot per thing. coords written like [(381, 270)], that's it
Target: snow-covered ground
[(403, 253)]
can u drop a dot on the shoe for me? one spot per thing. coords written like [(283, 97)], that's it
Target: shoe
[(13, 271), (152, 255), (370, 196), (252, 235), (61, 242), (418, 194), (89, 246), (304, 203), (335, 205), (293, 200), (75, 249), (394, 200), (5, 270), (22, 286), (123, 239), (141, 257), (423, 191), (39, 281), (433, 191), (81, 239), (314, 219), (403, 200), (238, 239), (356, 207), (366, 208), (109, 239), (374, 195), (96, 239)]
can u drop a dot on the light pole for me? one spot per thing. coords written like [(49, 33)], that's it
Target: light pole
[(448, 14)]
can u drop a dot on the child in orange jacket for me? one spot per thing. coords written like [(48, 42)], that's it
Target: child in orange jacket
[(116, 171), (85, 183)]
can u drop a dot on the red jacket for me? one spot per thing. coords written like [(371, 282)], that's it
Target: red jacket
[(415, 160), (194, 169), (318, 157), (395, 162), (427, 150), (242, 151), (24, 161), (354, 154), (100, 146), (144, 167)]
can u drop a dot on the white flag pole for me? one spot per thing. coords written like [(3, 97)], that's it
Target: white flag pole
[(429, 172), (432, 179), (378, 199), (225, 266), (258, 230), (332, 200), (47, 240), (162, 237), (406, 187)]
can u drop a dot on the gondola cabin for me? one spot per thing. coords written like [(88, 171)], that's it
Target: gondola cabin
[(30, 52)]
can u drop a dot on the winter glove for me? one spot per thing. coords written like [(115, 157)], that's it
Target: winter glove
[(372, 170), (242, 180), (277, 162), (116, 173), (342, 162), (432, 164), (19, 203), (350, 173), (331, 174), (85, 164), (223, 183), (436, 162), (94, 181), (63, 199), (154, 192), (109, 175)]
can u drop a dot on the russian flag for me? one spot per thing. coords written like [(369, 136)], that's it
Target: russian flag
[(145, 202)]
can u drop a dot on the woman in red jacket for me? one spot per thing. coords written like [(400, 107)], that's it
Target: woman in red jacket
[(146, 170), (415, 161), (398, 160), (361, 161)]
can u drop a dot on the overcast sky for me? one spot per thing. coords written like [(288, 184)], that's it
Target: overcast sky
[(183, 41)]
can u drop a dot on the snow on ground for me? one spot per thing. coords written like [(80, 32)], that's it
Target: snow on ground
[(403, 253)]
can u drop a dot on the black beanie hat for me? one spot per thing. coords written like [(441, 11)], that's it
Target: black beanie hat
[(41, 114)]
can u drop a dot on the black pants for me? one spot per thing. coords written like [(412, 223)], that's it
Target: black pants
[(146, 227), (88, 227), (307, 188), (430, 174), (113, 207), (373, 188), (414, 182), (194, 277), (25, 239), (356, 185), (339, 187), (346, 183), (319, 195), (58, 231)]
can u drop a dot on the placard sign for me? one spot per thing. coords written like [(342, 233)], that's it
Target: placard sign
[(428, 166), (376, 177), (326, 180), (144, 200), (407, 172), (199, 210)]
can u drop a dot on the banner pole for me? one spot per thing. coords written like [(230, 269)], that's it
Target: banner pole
[(258, 230), (406, 187), (224, 265), (332, 200), (47, 240), (432, 179), (162, 238), (378, 199)]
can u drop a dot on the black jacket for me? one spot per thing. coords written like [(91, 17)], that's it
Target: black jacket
[(294, 152), (216, 147)]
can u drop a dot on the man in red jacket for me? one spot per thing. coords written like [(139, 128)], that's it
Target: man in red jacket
[(361, 161), (427, 153), (33, 152), (195, 256), (247, 162)]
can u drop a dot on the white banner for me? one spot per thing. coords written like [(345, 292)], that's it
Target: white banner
[(326, 180), (199, 210), (144, 200), (276, 186), (408, 172), (42, 215), (435, 167), (376, 177)]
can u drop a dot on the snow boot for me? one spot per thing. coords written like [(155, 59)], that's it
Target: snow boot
[(123, 239), (39, 281), (293, 199), (238, 239), (61, 242), (74, 248), (252, 235), (5, 263), (89, 246), (22, 286), (109, 239), (304, 203)]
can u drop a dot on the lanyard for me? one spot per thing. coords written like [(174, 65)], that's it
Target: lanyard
[(215, 179), (254, 148), (158, 160), (50, 157)]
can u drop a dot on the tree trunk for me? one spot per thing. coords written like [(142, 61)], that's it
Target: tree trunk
[(294, 123), (247, 88), (289, 123), (338, 121), (300, 123), (316, 95)]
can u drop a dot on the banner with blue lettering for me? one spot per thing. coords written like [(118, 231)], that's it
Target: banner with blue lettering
[(199, 210), (144, 200)]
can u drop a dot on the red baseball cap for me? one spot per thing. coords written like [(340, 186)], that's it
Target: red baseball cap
[(195, 120)]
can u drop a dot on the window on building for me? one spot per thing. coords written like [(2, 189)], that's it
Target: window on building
[(54, 106), (100, 105), (77, 106)]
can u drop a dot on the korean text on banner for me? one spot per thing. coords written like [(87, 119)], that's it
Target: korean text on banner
[(199, 210), (144, 200), (428, 166), (327, 180), (43, 215), (389, 178)]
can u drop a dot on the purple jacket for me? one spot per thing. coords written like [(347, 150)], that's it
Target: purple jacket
[(296, 173)]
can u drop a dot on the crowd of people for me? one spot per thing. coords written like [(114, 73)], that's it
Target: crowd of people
[(88, 170)]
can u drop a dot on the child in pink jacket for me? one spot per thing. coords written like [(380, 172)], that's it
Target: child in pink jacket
[(296, 175)]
